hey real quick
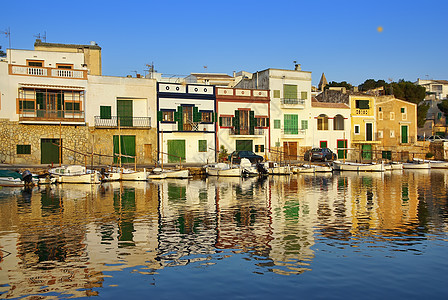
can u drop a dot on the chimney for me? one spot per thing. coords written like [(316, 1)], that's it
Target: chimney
[(234, 73), (297, 67)]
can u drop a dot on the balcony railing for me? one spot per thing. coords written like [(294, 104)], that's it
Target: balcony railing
[(125, 122), (47, 72), (51, 115), (294, 132), (244, 131)]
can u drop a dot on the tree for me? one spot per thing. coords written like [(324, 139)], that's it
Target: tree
[(371, 84), (345, 84), (2, 53)]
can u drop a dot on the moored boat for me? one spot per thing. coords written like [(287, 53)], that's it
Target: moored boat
[(416, 165), (10, 178), (358, 167), (74, 174), (223, 169)]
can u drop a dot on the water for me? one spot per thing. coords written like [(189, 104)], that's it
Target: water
[(339, 236)]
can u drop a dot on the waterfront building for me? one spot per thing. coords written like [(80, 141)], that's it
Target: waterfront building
[(290, 119), (396, 127), (186, 123), (331, 126), (243, 119)]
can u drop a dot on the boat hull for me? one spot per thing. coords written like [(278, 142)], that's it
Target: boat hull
[(135, 176), (418, 166), (357, 167), (92, 178)]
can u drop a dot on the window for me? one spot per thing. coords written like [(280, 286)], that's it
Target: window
[(322, 122), (276, 93), (439, 115), (35, 63), (362, 104), (291, 124), (259, 148), (356, 129), (23, 149), (72, 106), (289, 91), (167, 116), (392, 115), (262, 122), (202, 145), (105, 112), (380, 134), (277, 124), (206, 116), (392, 133), (225, 121), (338, 122), (64, 66), (379, 108), (303, 95), (304, 124), (403, 110)]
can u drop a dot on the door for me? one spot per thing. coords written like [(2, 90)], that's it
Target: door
[(187, 117), (369, 132), (323, 144), (148, 152), (367, 152), (49, 151), (244, 122), (127, 148), (244, 145), (290, 150), (404, 134), (176, 150), (124, 112), (342, 153)]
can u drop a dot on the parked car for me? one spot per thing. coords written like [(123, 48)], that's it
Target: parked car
[(236, 156), (321, 154), (434, 138)]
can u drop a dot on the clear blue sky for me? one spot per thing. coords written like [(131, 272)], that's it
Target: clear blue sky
[(339, 38)]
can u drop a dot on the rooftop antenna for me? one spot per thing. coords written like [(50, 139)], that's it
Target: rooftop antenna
[(41, 36), (205, 69), (7, 33), (150, 69)]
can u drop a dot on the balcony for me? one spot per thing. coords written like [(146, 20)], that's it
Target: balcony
[(47, 72), (246, 132), (42, 116), (293, 133), (125, 122), (292, 103)]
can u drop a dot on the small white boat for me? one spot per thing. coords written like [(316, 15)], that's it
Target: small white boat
[(132, 175), (357, 167), (179, 174), (417, 164), (10, 178), (156, 173), (437, 164), (75, 174), (275, 169), (223, 169), (312, 169)]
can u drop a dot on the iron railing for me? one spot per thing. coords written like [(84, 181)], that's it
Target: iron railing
[(112, 122), (51, 115)]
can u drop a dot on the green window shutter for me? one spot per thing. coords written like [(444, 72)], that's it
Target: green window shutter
[(197, 116), (220, 121), (23, 149), (289, 91), (267, 123), (252, 122), (261, 148), (236, 122), (304, 124), (362, 104), (277, 124), (303, 95), (159, 116), (125, 112), (202, 145), (105, 112), (180, 122), (276, 93), (256, 148), (40, 100), (291, 124)]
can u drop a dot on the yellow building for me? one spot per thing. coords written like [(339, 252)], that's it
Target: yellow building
[(396, 124), (363, 128)]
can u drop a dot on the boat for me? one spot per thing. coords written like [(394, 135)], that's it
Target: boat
[(11, 178), (223, 169), (394, 166), (307, 168), (74, 174), (417, 164), (437, 164), (358, 167), (276, 169), (129, 174), (159, 173)]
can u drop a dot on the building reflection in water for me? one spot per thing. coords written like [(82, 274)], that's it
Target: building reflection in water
[(68, 238)]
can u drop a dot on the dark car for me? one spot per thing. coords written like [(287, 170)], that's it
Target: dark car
[(321, 154), (236, 156)]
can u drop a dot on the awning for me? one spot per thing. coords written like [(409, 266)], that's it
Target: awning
[(49, 86)]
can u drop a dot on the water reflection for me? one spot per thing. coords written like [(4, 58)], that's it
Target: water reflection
[(68, 238)]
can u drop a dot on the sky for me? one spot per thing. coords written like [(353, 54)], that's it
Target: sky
[(347, 40)]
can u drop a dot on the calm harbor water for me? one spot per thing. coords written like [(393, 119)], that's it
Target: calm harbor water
[(329, 236)]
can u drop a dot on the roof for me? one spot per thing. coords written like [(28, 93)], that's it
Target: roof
[(211, 75), (39, 43), (315, 103)]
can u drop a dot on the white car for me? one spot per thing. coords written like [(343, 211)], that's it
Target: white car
[(434, 138)]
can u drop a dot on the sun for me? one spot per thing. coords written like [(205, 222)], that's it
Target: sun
[(380, 29)]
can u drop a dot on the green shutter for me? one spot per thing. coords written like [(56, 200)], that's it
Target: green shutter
[(159, 116), (304, 124), (303, 95), (105, 112), (277, 124), (176, 150), (276, 93), (267, 123), (202, 145), (197, 116), (291, 124), (252, 122), (220, 121), (23, 149), (404, 134), (124, 112), (179, 119), (236, 122), (289, 91), (127, 148)]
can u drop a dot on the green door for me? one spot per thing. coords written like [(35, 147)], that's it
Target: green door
[(404, 134), (124, 112), (342, 153), (127, 148), (176, 150), (244, 145), (49, 151), (367, 151), (323, 144)]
